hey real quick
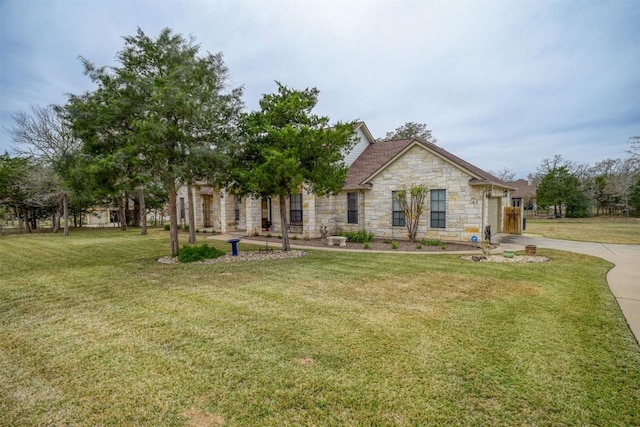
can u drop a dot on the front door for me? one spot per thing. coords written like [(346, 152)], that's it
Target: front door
[(266, 213)]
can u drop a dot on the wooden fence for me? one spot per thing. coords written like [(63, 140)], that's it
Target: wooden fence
[(512, 220)]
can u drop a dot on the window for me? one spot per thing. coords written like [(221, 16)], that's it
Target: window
[(182, 208), (295, 210), (352, 208), (438, 208), (236, 208), (397, 219)]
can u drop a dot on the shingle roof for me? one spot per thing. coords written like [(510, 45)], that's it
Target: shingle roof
[(523, 188), (372, 159), (377, 155)]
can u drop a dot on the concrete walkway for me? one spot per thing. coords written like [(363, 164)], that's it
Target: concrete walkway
[(623, 279)]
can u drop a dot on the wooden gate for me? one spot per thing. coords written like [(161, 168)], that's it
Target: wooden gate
[(512, 220)]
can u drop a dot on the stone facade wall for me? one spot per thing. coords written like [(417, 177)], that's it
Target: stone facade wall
[(419, 166), (325, 215), (464, 204)]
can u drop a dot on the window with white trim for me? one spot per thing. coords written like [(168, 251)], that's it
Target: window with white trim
[(295, 209), (438, 208), (352, 208), (397, 214)]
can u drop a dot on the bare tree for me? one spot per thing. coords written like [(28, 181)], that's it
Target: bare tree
[(413, 207), (634, 151), (43, 135), (505, 174)]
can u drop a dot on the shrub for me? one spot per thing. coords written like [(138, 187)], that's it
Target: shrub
[(185, 227), (269, 235), (394, 245), (198, 253), (366, 245), (428, 242), (419, 246), (360, 236), (167, 227), (294, 237)]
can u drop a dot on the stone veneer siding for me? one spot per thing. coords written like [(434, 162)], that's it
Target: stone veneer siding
[(419, 166)]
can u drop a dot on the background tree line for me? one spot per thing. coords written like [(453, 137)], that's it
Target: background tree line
[(165, 116), (609, 187)]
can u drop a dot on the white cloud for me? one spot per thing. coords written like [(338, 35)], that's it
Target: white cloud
[(500, 83)]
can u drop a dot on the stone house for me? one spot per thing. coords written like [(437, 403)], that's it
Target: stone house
[(524, 195), (463, 199)]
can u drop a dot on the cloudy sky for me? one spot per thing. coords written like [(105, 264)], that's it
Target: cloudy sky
[(501, 83)]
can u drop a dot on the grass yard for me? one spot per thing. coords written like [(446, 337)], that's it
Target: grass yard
[(93, 331), (595, 229)]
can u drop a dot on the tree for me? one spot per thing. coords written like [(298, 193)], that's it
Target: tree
[(411, 130), (44, 134), (412, 204), (13, 190), (287, 147), (505, 174), (558, 188), (104, 119), (634, 198), (634, 151), (164, 103)]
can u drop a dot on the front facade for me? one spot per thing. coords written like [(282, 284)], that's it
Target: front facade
[(462, 200)]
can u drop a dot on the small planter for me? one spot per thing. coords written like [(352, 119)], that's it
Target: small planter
[(507, 254), (530, 249)]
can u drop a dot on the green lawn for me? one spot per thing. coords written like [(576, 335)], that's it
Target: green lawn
[(93, 331), (602, 229)]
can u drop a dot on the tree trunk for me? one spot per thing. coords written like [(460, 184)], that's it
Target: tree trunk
[(25, 215), (173, 221), (192, 216), (56, 218), (283, 221), (127, 211), (20, 219), (143, 211), (122, 215), (65, 213), (135, 218)]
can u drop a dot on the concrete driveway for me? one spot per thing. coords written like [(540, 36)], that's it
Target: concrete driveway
[(623, 279)]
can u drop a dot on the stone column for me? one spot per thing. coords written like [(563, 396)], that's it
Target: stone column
[(223, 210), (309, 215), (253, 215)]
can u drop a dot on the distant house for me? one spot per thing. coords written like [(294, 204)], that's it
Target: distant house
[(524, 195), (463, 199)]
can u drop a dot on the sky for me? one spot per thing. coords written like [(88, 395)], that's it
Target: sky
[(501, 83)]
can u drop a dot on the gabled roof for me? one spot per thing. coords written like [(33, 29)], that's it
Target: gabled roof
[(365, 131), (371, 160), (379, 155), (524, 188)]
